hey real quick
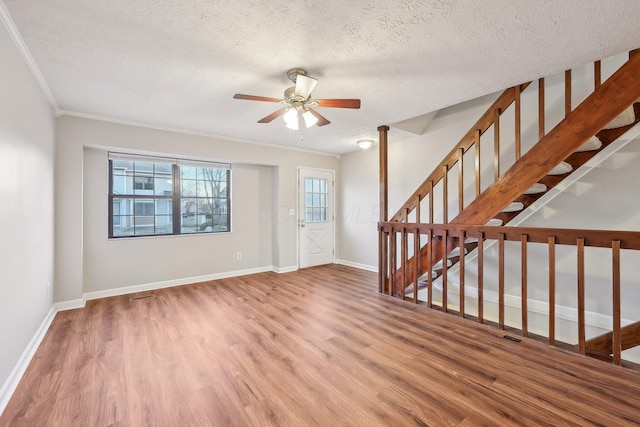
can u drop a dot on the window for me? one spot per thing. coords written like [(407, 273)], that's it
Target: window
[(316, 204), (157, 196)]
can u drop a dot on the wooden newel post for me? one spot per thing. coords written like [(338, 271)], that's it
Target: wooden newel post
[(383, 244), (384, 177)]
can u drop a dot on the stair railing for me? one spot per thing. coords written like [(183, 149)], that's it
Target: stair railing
[(525, 238), (508, 103)]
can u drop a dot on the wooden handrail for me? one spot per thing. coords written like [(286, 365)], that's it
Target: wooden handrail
[(563, 236), (618, 92), (491, 117), (466, 142)]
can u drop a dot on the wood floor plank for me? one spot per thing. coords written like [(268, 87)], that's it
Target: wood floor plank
[(316, 347)]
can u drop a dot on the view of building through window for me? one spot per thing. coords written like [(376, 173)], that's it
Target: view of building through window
[(167, 196)]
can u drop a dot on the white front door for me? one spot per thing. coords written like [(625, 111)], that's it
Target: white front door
[(315, 217)]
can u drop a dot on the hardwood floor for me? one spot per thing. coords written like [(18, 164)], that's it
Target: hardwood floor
[(319, 347)]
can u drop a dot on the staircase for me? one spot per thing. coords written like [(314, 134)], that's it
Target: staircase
[(584, 153), (602, 347), (583, 132)]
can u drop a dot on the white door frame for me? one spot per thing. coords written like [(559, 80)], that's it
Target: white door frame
[(300, 214)]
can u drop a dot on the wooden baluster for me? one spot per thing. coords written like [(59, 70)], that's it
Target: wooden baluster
[(403, 259), (444, 270), (461, 272), (416, 264), (541, 130), (617, 334), (477, 145), (581, 308), (392, 260), (567, 92), (551, 241), (418, 209), (460, 180), (597, 74), (518, 112), (496, 146), (445, 195), (524, 291), (430, 202), (480, 251), (430, 268), (501, 280)]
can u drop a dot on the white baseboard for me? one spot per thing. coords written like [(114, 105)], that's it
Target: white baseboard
[(281, 270), (9, 387), (569, 314), (366, 267), (70, 305), (169, 283)]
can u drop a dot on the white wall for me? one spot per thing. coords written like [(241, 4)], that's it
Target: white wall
[(26, 210), (359, 209), (264, 189), (115, 263)]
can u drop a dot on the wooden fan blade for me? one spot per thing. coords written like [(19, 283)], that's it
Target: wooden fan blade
[(321, 119), (338, 103), (255, 98), (305, 85), (272, 116)]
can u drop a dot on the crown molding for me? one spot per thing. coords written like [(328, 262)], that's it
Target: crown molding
[(26, 55), (98, 117)]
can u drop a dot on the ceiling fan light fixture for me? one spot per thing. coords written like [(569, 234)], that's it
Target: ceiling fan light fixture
[(297, 118), (299, 110), (309, 118), (364, 143), (291, 118)]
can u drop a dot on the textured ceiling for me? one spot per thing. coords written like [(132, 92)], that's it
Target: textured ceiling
[(177, 64)]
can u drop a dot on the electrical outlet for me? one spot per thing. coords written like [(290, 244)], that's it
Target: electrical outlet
[(238, 255)]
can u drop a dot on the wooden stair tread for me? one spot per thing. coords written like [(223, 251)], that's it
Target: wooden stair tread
[(537, 188), (514, 207), (592, 144), (562, 168)]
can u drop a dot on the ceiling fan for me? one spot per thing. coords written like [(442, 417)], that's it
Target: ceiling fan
[(298, 111)]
